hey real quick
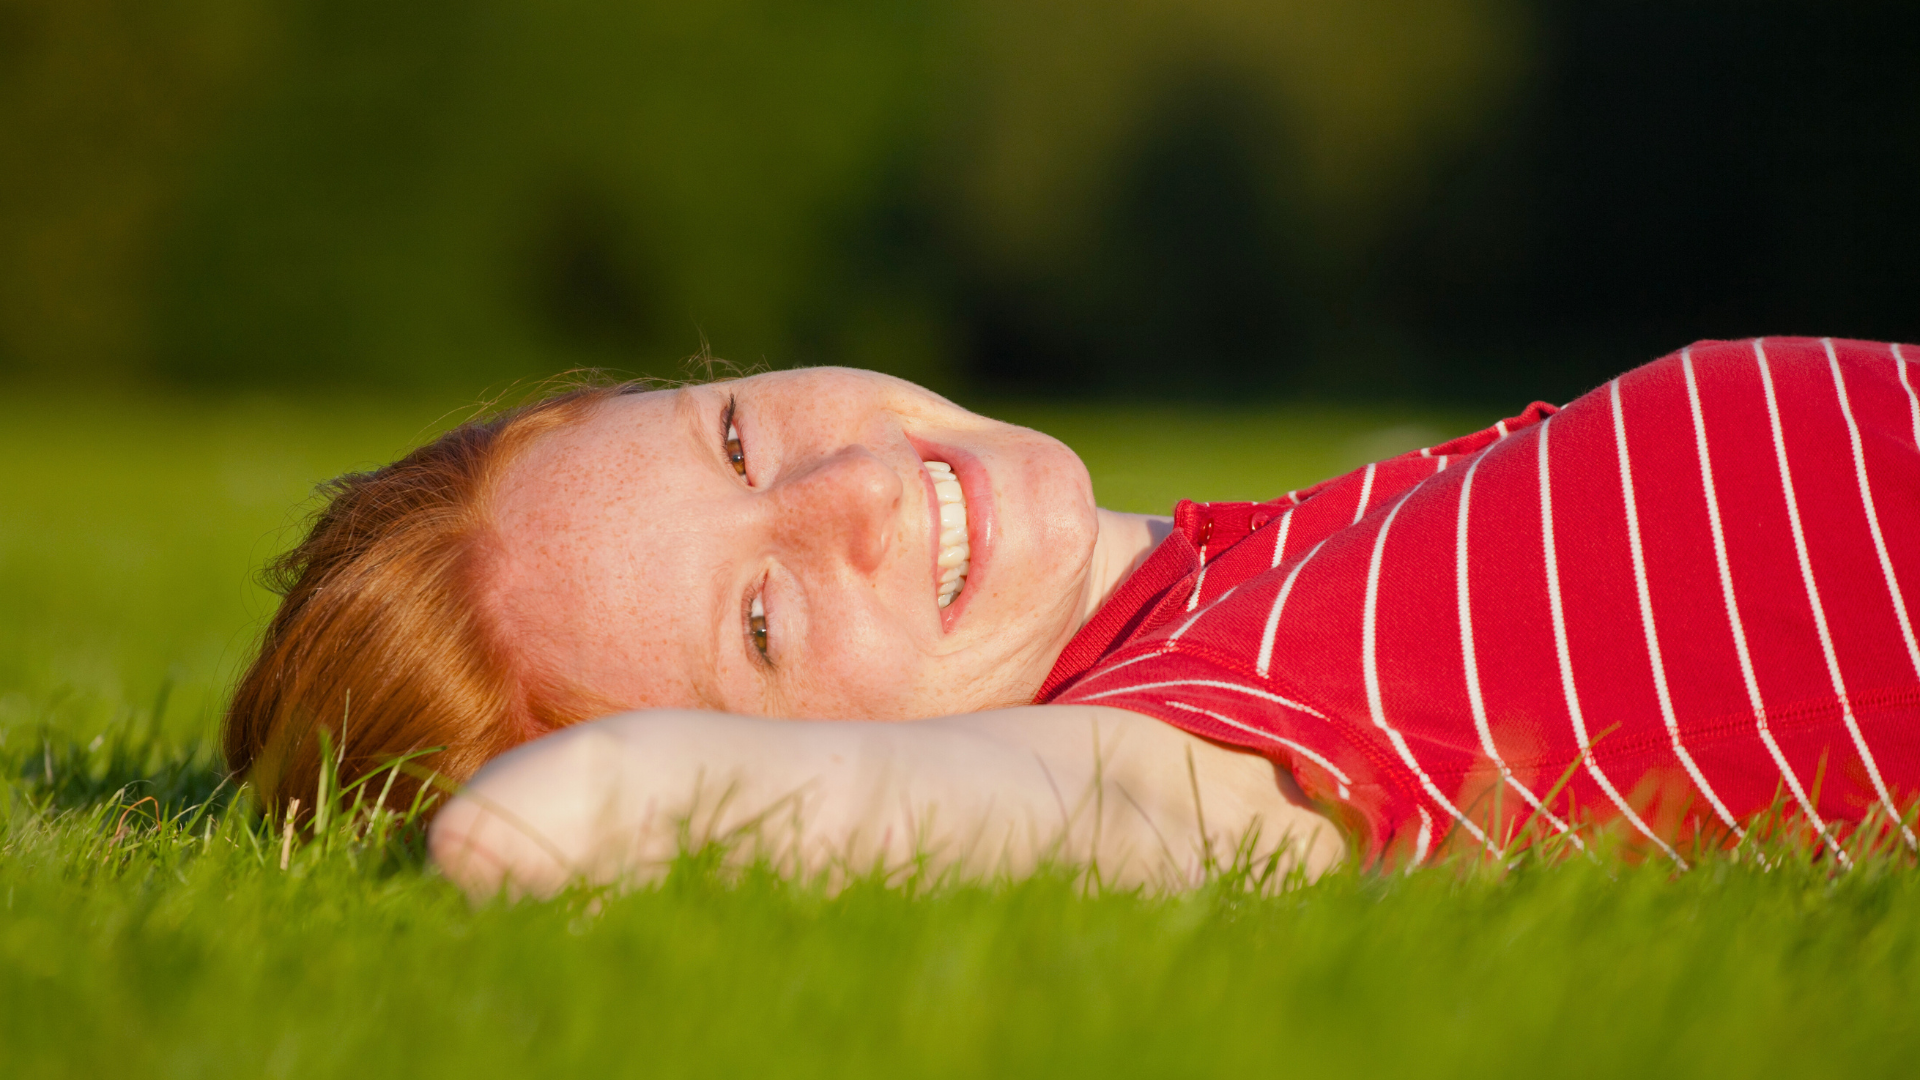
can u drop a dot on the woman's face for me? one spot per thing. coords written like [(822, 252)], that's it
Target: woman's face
[(794, 569)]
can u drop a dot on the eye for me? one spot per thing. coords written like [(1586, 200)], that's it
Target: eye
[(736, 455), (757, 626)]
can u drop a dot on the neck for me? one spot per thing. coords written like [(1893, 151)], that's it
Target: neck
[(1123, 543)]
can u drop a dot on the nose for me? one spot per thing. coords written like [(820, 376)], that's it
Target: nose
[(845, 505)]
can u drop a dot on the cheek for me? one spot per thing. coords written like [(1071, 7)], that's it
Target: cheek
[(1058, 509), (865, 674), (1050, 464)]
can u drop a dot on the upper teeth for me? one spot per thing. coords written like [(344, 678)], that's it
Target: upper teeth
[(954, 552)]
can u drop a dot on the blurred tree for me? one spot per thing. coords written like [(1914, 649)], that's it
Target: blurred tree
[(1154, 185), (473, 190), (103, 106), (1342, 102), (1670, 172), (1457, 197)]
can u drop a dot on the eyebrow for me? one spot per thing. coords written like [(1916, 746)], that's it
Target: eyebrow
[(694, 415), (704, 657)]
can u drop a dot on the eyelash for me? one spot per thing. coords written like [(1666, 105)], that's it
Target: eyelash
[(756, 607), (757, 626), (730, 437)]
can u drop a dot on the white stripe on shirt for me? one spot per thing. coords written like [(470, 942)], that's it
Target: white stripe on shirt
[(1806, 574), (1565, 653), (1470, 661), (1734, 622), (1366, 493), (1218, 684), (1304, 751), (1646, 616), (1280, 538), (1370, 673), (1265, 659), (1873, 515), (1913, 399)]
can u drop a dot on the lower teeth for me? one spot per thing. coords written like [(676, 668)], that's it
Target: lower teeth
[(953, 527)]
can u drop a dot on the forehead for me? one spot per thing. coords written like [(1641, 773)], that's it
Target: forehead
[(594, 578), (572, 460)]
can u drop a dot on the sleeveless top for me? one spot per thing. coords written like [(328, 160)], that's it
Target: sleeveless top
[(1685, 598)]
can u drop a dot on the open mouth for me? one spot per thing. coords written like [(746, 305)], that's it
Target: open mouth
[(955, 554)]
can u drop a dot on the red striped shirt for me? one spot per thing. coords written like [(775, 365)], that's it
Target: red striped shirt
[(1687, 592)]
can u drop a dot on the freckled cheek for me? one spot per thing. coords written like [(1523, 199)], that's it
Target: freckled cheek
[(1052, 496), (864, 674)]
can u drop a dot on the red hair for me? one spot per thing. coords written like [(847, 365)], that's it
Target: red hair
[(381, 640)]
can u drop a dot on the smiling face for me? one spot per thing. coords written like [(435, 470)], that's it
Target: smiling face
[(774, 545)]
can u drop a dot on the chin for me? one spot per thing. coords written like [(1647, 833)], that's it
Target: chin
[(1064, 517), (1034, 611)]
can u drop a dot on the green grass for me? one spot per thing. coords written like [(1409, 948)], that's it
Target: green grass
[(128, 532)]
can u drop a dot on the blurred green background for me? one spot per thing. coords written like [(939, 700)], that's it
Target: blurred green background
[(1221, 247), (1467, 199)]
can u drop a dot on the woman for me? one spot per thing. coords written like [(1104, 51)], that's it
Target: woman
[(1685, 592)]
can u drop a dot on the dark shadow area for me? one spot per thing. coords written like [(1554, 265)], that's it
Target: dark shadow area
[(1197, 284), (1670, 172), (1679, 171), (588, 280)]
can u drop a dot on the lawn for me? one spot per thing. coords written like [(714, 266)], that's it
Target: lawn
[(129, 530)]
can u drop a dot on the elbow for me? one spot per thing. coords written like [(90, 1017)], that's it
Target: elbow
[(530, 823), (470, 849), (459, 847)]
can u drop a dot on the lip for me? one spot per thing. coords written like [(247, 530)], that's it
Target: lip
[(977, 487)]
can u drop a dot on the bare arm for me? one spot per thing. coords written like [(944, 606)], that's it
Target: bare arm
[(985, 793)]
